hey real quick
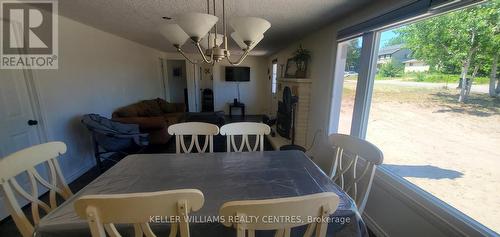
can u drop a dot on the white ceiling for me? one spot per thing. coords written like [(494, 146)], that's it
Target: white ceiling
[(139, 20)]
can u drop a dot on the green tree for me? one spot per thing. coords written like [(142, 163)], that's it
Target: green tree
[(464, 41), (392, 69), (353, 54), (394, 40)]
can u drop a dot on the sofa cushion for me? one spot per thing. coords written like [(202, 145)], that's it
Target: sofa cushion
[(127, 111), (172, 118), (149, 108), (165, 106)]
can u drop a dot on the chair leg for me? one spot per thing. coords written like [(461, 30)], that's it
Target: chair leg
[(310, 229), (97, 155)]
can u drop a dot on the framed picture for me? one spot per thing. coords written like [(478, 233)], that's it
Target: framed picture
[(291, 68)]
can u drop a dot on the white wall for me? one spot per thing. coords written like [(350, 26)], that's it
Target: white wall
[(98, 72), (320, 71), (251, 92), (389, 212)]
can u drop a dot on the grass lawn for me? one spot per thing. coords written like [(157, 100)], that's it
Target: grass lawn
[(477, 104), (432, 77)]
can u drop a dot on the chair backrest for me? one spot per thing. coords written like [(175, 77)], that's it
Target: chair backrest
[(244, 129), (193, 129), (251, 215), (25, 161), (103, 211), (354, 165)]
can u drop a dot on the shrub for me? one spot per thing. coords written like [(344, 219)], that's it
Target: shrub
[(420, 76), (392, 69)]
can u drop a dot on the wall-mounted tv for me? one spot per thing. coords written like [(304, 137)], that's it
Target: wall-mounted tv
[(237, 73)]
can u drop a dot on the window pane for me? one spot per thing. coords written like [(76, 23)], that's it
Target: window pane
[(446, 147), (353, 48), (274, 76)]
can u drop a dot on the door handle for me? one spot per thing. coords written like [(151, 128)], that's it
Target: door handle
[(32, 122)]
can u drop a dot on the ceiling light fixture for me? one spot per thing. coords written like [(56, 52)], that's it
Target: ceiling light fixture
[(201, 28)]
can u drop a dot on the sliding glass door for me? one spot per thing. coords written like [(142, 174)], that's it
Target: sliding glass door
[(429, 99)]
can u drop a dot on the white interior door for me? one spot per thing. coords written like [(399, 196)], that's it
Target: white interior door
[(15, 112)]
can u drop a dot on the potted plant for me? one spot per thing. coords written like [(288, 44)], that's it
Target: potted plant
[(301, 57)]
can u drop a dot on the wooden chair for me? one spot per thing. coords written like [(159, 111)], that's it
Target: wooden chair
[(104, 211), (306, 210), (244, 129), (25, 161), (194, 129), (354, 165)]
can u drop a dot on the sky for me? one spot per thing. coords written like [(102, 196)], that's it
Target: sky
[(386, 36)]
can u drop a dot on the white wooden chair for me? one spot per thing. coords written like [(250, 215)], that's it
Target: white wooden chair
[(25, 161), (244, 129), (194, 129), (354, 165), (306, 210), (104, 211)]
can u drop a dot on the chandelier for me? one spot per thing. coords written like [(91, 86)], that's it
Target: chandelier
[(202, 29)]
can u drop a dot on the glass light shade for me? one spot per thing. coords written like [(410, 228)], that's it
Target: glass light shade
[(250, 28), (242, 44), (205, 41), (196, 24), (174, 34)]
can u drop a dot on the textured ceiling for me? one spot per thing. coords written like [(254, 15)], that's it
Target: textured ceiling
[(139, 20)]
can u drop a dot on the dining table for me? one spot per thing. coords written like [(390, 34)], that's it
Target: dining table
[(222, 177)]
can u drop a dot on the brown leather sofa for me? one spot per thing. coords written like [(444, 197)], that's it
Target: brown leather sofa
[(153, 117)]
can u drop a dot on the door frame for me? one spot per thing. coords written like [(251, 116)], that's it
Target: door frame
[(192, 74)]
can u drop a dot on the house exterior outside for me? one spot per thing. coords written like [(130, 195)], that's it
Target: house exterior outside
[(414, 65), (394, 52), (399, 54)]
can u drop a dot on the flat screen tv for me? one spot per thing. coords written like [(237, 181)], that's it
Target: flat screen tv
[(237, 73)]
